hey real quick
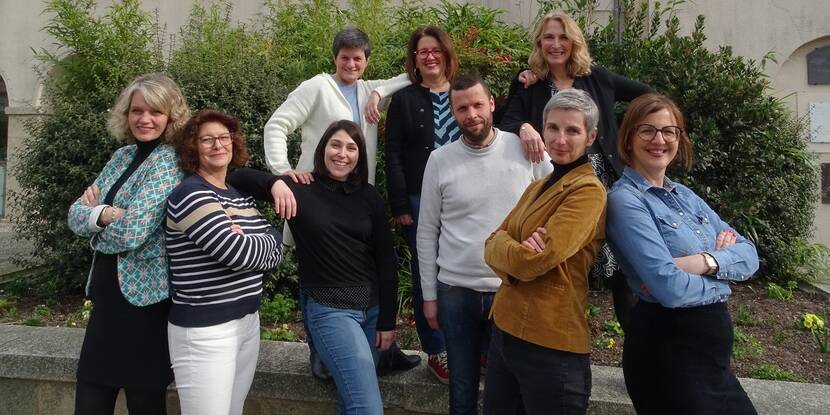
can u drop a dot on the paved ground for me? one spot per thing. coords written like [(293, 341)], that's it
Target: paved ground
[(10, 248)]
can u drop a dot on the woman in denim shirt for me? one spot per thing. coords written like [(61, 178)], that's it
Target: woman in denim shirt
[(679, 257)]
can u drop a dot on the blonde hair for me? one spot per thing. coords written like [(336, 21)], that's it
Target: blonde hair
[(161, 93), (579, 63)]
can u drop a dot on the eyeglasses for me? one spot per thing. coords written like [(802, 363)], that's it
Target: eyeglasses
[(647, 132), (424, 53), (210, 141)]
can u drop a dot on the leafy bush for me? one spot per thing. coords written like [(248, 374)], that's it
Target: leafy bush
[(96, 58), (248, 69), (278, 310), (281, 333), (746, 142), (781, 293), (245, 70)]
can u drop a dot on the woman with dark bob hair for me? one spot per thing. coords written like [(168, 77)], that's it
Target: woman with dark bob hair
[(219, 246), (419, 120), (347, 263), (679, 257), (125, 345)]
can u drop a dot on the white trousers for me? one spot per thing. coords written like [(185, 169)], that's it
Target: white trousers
[(214, 366)]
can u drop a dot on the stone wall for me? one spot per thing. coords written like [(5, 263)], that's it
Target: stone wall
[(37, 372)]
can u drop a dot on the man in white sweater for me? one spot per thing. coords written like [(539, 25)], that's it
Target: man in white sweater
[(313, 107), (469, 187)]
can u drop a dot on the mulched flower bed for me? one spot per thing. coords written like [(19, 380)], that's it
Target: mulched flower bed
[(768, 342)]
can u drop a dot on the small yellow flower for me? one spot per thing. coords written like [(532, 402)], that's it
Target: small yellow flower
[(611, 343), (811, 321)]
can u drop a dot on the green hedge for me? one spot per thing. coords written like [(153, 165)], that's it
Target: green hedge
[(248, 69)]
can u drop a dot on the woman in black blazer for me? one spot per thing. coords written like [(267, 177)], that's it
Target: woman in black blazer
[(560, 60), (419, 120)]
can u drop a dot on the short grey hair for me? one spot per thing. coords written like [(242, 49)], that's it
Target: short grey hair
[(573, 99), (351, 38)]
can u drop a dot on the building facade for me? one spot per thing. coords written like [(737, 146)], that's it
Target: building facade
[(795, 33)]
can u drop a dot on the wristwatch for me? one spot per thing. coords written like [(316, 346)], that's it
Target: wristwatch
[(711, 263)]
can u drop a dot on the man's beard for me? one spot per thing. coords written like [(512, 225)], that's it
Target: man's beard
[(479, 137)]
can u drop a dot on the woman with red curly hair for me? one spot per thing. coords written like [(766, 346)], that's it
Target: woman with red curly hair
[(219, 246)]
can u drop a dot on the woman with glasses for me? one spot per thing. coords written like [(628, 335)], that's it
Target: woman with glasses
[(561, 60), (219, 246), (419, 120), (679, 258), (125, 345)]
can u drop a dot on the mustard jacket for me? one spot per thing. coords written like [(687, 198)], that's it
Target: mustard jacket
[(543, 296)]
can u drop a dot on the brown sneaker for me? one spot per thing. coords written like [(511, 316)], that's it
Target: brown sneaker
[(437, 364)]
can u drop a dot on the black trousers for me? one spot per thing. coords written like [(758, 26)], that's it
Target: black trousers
[(677, 361), (100, 400), (523, 377)]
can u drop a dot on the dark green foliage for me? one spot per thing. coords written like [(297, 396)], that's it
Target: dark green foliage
[(245, 70), (746, 143), (752, 164), (96, 58), (279, 309)]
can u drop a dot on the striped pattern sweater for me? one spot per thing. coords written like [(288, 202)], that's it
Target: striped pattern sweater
[(446, 129), (215, 273)]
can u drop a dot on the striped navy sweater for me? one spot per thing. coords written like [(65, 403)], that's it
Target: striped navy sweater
[(216, 274)]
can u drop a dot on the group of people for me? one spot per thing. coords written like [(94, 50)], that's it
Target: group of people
[(505, 226)]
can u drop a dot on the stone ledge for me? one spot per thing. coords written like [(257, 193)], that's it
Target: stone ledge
[(32, 355)]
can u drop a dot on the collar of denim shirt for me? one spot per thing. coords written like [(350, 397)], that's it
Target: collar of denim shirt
[(642, 184)]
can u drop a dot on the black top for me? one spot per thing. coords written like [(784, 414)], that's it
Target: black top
[(142, 151), (124, 345), (560, 170), (409, 141), (342, 235), (605, 87)]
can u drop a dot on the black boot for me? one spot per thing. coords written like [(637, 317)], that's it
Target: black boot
[(318, 369), (396, 360)]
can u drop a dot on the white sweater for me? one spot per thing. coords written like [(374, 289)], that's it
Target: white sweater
[(466, 194), (312, 107)]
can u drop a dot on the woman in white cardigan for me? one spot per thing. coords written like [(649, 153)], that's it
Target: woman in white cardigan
[(326, 98), (312, 107)]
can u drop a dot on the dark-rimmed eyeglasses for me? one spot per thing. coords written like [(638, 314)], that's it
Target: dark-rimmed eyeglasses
[(647, 132), (210, 141)]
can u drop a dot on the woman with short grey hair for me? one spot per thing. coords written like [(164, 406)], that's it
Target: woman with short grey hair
[(539, 358)]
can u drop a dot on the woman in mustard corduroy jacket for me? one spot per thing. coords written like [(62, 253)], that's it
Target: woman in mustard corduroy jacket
[(543, 252)]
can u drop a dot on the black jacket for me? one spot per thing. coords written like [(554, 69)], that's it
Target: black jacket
[(605, 87), (409, 141)]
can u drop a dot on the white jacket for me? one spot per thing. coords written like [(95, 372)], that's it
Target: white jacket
[(312, 107)]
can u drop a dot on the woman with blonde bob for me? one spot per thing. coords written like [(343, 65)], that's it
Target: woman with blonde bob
[(561, 60), (679, 257), (125, 345)]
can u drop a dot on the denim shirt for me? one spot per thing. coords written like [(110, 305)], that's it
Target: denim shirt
[(649, 226)]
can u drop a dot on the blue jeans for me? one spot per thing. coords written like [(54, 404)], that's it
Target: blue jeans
[(345, 340), (463, 315), (432, 341)]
